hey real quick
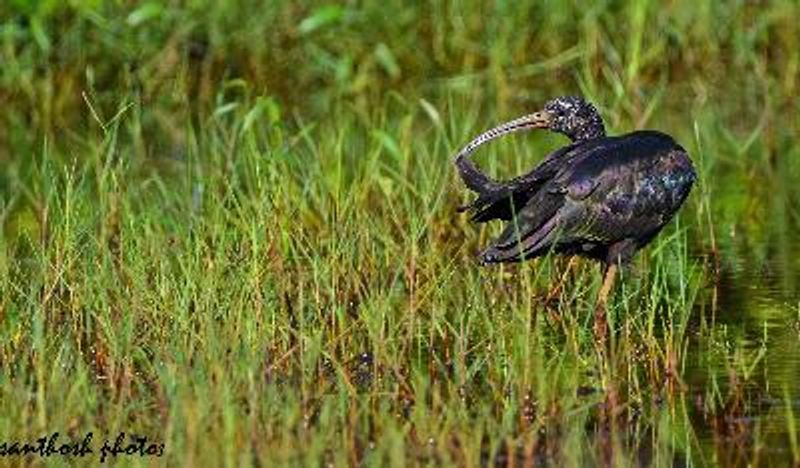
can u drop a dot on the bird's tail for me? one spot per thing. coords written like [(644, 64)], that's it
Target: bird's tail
[(531, 246)]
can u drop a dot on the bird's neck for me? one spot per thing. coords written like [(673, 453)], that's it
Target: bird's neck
[(588, 132), (588, 127)]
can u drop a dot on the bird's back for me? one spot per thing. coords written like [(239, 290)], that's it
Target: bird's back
[(630, 185), (612, 189)]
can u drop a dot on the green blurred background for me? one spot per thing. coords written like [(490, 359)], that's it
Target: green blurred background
[(172, 59)]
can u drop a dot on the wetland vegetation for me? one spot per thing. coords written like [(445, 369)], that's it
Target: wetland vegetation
[(231, 227)]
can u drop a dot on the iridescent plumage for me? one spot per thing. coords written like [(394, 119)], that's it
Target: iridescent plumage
[(600, 197)]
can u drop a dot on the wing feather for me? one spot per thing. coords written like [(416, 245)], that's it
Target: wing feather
[(500, 200), (623, 189)]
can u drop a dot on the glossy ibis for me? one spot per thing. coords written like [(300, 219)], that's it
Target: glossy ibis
[(599, 197)]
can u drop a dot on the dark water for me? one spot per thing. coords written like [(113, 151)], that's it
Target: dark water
[(742, 370)]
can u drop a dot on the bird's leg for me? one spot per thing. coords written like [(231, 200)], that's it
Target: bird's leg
[(600, 320), (610, 409), (608, 283)]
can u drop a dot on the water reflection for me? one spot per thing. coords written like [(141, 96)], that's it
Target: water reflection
[(743, 361)]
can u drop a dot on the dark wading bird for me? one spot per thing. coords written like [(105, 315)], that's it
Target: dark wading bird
[(599, 197)]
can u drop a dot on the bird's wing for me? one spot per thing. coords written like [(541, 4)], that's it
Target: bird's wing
[(630, 191), (542, 219), (501, 199), (618, 189)]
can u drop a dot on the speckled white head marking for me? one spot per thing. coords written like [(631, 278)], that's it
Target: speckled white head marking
[(575, 118)]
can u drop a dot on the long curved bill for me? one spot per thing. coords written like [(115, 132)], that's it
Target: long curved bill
[(536, 120)]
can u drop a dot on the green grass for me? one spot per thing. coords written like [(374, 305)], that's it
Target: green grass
[(231, 227)]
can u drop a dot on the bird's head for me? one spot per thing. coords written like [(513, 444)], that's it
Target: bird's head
[(569, 115)]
